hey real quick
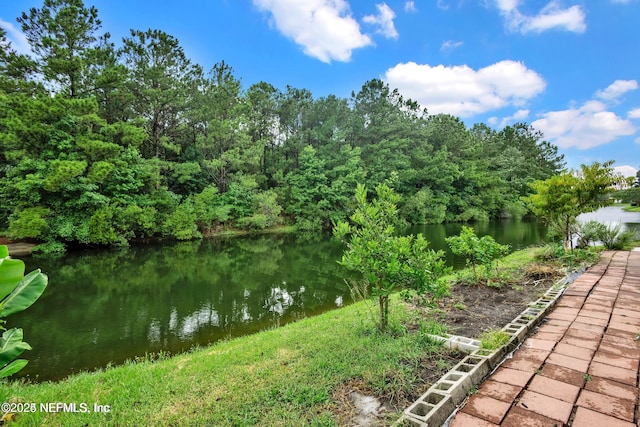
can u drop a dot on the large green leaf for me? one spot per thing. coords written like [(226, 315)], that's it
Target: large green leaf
[(4, 251), (11, 272), (13, 367), (11, 346), (26, 293)]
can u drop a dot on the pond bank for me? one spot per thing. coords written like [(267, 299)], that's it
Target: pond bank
[(284, 376), (301, 374)]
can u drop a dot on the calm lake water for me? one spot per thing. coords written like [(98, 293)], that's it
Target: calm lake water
[(104, 307), (612, 215)]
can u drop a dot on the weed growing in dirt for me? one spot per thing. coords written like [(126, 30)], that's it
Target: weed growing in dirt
[(555, 253), (460, 306), (493, 339)]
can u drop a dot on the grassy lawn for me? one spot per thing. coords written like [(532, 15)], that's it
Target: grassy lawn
[(295, 375), (630, 208), (282, 377)]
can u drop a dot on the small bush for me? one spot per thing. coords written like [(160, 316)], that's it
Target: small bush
[(484, 251), (577, 257), (613, 237), (588, 233), (49, 249)]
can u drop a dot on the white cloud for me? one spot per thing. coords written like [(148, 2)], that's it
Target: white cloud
[(324, 28), (617, 89), (384, 21), (585, 127), (410, 6), (507, 6), (441, 4), (450, 45), (550, 16), (626, 170), (634, 114), (18, 40), (463, 91)]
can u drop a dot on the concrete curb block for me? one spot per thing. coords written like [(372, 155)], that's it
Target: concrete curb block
[(437, 405), (433, 408), (456, 342)]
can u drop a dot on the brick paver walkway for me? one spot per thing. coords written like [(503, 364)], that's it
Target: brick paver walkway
[(580, 367)]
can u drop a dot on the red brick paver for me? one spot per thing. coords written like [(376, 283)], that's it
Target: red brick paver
[(580, 367)]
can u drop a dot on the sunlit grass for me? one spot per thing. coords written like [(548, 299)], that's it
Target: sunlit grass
[(629, 208), (278, 377)]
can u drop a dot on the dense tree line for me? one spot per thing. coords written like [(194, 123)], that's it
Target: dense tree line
[(102, 143)]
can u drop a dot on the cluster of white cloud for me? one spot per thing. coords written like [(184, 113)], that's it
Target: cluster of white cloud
[(383, 20), (591, 124), (626, 170), (551, 16), (616, 89), (463, 91), (324, 28), (327, 31)]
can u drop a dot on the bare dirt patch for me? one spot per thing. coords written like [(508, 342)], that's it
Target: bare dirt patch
[(472, 310), (468, 311)]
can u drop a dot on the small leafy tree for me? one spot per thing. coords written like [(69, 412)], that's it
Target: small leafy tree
[(483, 251), (387, 262), (563, 197), (17, 292)]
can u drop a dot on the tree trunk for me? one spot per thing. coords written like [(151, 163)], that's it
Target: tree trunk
[(383, 301), (566, 235)]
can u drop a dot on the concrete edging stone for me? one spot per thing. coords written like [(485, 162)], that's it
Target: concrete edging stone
[(439, 402)]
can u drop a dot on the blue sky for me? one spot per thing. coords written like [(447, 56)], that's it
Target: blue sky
[(571, 68)]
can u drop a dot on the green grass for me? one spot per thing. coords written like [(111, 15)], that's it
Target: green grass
[(630, 208), (492, 340), (509, 268), (280, 377), (289, 376)]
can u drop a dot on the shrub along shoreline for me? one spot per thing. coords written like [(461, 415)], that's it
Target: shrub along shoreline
[(292, 375)]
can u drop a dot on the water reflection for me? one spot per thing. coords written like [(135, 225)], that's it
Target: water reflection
[(103, 307)]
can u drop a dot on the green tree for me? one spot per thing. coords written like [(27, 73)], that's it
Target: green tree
[(224, 142), (384, 126), (387, 262), (161, 79), (477, 250), (262, 99), (295, 108), (17, 72), (61, 35), (309, 194), (562, 198)]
